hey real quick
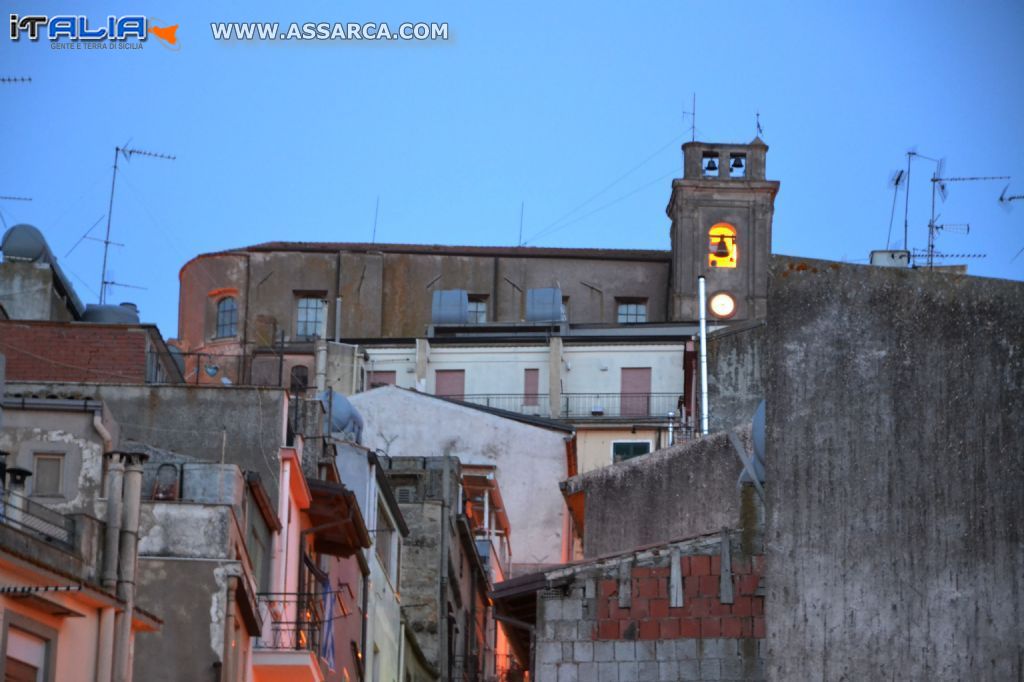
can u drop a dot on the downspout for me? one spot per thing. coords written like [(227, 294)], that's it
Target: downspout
[(280, 564), (243, 370), (401, 650), (701, 301), (105, 643), (128, 560), (227, 670), (443, 661)]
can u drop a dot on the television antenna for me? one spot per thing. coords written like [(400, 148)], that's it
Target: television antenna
[(15, 79), (1006, 201), (896, 181), (693, 118), (940, 184), (4, 197), (127, 152)]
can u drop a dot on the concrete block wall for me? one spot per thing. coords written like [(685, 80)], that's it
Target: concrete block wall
[(607, 627)]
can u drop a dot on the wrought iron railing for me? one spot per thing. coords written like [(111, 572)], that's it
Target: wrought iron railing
[(524, 403), (22, 513), (596, 405), (291, 620)]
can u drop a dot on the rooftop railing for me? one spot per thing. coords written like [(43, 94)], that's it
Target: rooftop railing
[(29, 516), (583, 405)]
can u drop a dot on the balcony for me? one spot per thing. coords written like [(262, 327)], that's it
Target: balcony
[(619, 405), (288, 647), (34, 519), (584, 405), (523, 403)]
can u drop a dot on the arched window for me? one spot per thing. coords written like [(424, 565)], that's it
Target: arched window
[(227, 317), (722, 250)]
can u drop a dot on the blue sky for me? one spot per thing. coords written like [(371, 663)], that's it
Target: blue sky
[(536, 102)]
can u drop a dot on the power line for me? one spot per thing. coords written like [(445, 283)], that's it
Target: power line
[(548, 228)]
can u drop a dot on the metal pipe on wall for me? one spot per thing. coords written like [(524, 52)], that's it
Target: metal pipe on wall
[(128, 559), (703, 304)]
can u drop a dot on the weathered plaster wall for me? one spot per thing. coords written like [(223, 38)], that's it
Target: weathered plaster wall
[(735, 374), (530, 460), (675, 493), (191, 420), (895, 474), (189, 596)]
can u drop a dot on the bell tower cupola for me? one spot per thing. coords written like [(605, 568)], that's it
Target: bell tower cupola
[(721, 212)]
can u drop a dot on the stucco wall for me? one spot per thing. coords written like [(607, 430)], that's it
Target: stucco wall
[(678, 492), (735, 374), (530, 460), (191, 420), (895, 477)]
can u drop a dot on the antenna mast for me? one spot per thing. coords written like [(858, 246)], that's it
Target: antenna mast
[(939, 185), (128, 153)]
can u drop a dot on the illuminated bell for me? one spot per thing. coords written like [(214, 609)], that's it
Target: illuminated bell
[(737, 162), (721, 251), (712, 166)]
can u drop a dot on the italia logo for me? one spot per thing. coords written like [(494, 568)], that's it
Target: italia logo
[(76, 27)]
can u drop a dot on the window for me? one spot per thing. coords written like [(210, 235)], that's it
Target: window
[(31, 649), (531, 383), (381, 378), (632, 310), (227, 318), (299, 379), (47, 478), (722, 249), (477, 309), (386, 542), (450, 383), (311, 317), (628, 449)]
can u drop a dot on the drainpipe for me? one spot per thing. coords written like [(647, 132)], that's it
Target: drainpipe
[(280, 565), (115, 481), (321, 365), (337, 319), (115, 475), (105, 647), (443, 661), (227, 669), (129, 555), (702, 302)]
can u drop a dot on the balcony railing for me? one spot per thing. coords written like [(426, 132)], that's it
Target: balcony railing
[(31, 517), (584, 405), (636, 405), (523, 403), (291, 621)]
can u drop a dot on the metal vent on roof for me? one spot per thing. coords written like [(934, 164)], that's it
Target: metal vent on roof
[(405, 494), (544, 305), (450, 306)]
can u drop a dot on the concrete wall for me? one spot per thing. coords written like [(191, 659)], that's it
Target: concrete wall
[(735, 374), (387, 293), (530, 460), (191, 420), (895, 478), (614, 621), (27, 292), (675, 493)]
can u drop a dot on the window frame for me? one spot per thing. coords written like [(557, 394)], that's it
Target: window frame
[(61, 458), (32, 627), (232, 324), (634, 441), (631, 310), (477, 304), (304, 304)]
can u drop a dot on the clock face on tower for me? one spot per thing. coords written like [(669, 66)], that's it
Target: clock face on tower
[(722, 305)]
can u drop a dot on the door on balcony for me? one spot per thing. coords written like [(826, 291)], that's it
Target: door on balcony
[(378, 378), (635, 392), (531, 386), (450, 383)]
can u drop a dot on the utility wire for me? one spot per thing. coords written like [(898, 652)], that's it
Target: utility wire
[(611, 203), (547, 229)]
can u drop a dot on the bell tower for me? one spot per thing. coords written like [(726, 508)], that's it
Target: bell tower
[(721, 213)]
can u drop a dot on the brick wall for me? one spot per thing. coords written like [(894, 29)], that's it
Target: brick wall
[(45, 351), (616, 621)]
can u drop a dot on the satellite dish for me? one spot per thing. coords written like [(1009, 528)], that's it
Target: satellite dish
[(758, 434)]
